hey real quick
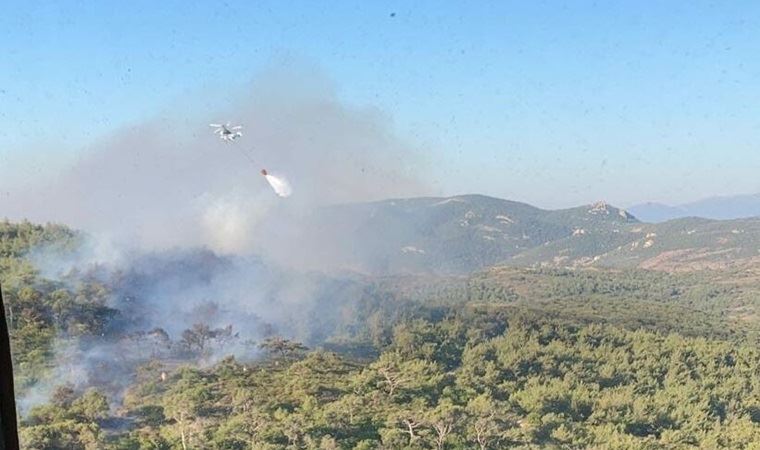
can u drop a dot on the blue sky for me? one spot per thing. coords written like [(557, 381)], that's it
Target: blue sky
[(555, 103)]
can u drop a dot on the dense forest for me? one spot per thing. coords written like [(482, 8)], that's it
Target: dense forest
[(503, 358)]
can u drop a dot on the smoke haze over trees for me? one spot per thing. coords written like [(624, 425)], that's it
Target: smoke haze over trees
[(188, 307), (162, 351)]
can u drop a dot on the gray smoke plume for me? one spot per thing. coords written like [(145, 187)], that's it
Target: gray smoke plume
[(170, 182), (184, 229)]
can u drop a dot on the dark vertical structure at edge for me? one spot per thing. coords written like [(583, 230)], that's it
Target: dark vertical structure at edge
[(8, 425)]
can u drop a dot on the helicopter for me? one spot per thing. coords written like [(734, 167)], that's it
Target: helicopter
[(227, 132)]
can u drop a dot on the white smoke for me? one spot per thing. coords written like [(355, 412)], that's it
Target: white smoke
[(144, 184), (229, 221), (150, 195)]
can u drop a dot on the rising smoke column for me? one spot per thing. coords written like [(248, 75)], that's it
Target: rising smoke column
[(165, 186), (154, 184)]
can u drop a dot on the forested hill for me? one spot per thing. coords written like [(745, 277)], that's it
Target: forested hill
[(470, 232), (506, 357)]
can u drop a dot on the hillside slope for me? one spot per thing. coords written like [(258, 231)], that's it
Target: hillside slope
[(464, 233), (450, 235)]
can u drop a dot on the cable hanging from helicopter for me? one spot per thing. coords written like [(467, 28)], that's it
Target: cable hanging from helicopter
[(229, 134)]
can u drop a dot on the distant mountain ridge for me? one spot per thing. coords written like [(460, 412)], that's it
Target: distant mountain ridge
[(469, 232), (720, 208)]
